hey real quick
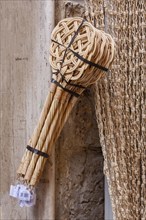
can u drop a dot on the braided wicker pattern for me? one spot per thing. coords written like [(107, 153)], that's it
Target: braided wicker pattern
[(93, 45), (83, 44)]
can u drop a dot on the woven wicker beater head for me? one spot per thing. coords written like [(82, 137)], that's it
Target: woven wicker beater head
[(76, 45)]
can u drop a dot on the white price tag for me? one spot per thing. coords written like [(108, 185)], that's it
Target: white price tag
[(14, 191), (21, 203), (32, 201), (23, 194)]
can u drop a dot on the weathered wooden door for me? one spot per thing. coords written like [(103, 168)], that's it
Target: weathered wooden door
[(25, 28)]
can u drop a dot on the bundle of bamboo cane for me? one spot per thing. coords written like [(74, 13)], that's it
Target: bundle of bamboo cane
[(79, 55)]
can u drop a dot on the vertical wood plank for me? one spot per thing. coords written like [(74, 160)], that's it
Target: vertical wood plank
[(108, 215), (79, 160), (25, 37)]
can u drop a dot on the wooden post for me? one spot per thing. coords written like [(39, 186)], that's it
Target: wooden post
[(24, 44)]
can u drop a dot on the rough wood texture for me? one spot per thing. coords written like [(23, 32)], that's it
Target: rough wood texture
[(79, 161), (79, 166), (25, 32)]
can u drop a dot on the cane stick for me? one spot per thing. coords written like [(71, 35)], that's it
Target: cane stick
[(41, 161), (33, 141)]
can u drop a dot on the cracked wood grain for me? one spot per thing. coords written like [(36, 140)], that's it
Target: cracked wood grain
[(25, 28)]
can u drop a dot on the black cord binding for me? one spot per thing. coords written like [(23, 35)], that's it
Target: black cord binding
[(35, 151), (79, 57), (82, 58), (65, 89)]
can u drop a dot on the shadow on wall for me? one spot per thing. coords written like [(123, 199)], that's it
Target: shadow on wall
[(79, 166)]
